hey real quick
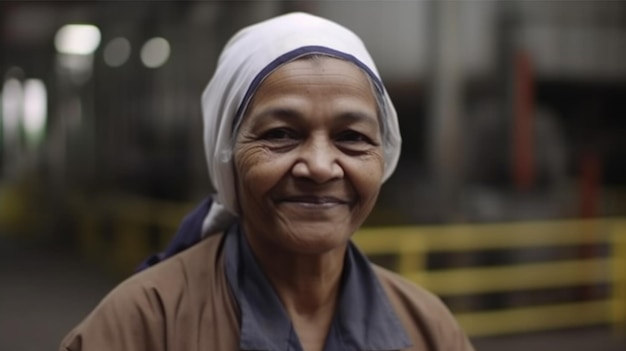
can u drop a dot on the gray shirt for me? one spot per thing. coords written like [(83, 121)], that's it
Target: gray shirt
[(364, 319)]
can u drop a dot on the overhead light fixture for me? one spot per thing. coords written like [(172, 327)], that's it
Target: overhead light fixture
[(116, 52), (155, 52), (77, 39), (12, 96), (35, 109)]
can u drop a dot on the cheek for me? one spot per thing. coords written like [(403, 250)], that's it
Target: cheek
[(247, 163), (246, 159), (367, 175), (257, 169), (374, 167)]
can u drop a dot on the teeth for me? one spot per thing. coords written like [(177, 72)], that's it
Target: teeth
[(319, 200), (314, 200)]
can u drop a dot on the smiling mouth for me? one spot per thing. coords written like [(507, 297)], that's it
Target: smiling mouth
[(314, 201)]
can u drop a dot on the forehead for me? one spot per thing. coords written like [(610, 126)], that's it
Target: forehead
[(318, 70), (317, 82)]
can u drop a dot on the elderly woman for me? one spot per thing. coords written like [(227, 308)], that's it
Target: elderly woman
[(299, 135)]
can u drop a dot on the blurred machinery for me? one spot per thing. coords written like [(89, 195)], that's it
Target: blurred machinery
[(502, 104)]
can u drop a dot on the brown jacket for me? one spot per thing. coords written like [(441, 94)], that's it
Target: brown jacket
[(185, 304)]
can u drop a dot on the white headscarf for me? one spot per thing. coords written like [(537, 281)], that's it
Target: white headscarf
[(249, 57)]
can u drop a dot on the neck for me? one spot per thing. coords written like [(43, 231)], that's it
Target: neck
[(307, 284)]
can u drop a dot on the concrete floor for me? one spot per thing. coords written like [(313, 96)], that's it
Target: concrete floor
[(44, 292)]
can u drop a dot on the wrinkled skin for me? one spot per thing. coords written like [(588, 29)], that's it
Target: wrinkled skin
[(308, 157)]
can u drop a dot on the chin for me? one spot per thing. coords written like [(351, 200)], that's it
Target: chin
[(316, 239)]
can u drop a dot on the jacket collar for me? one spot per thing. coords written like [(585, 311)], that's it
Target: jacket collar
[(364, 319)]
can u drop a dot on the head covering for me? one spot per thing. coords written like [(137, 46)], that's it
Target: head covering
[(249, 57)]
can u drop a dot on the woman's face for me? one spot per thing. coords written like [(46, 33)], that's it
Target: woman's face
[(308, 156)]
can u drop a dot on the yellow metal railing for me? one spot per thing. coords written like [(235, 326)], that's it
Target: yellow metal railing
[(413, 242), (618, 270), (123, 227), (17, 204), (118, 230)]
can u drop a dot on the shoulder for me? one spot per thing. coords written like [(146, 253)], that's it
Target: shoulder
[(133, 316), (199, 260), (407, 292), (422, 313), (411, 296), (179, 275)]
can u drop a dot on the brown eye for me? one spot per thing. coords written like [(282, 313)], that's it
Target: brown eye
[(280, 139), (279, 134), (351, 136)]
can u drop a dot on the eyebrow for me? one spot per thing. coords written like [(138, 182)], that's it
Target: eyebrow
[(280, 113), (289, 115), (357, 117)]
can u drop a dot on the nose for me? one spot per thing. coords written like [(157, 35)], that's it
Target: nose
[(318, 161)]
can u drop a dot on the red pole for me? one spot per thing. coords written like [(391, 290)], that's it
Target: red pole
[(590, 174), (589, 184), (523, 128)]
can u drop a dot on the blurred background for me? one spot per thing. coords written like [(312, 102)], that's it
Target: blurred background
[(509, 200)]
